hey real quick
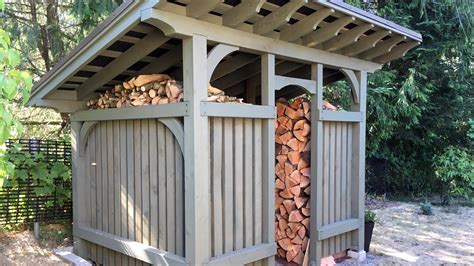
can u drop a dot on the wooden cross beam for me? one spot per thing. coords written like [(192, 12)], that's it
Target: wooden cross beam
[(323, 34), (382, 48), (278, 17), (347, 38), (365, 43), (305, 26), (242, 12), (128, 58)]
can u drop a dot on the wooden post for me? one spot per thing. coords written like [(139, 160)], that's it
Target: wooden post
[(358, 163), (79, 204), (316, 219), (268, 99), (196, 152)]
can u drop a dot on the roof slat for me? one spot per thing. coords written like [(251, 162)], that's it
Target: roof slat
[(128, 58)]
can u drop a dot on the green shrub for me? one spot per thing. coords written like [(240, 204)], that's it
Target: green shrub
[(455, 168), (369, 216), (426, 208)]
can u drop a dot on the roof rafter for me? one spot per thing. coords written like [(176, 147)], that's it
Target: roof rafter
[(396, 52), (242, 12), (278, 17), (127, 59), (382, 48), (306, 25), (347, 38), (365, 43), (197, 8), (323, 34)]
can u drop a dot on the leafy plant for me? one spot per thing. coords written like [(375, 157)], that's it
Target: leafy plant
[(370, 216), (46, 177), (455, 168), (426, 208)]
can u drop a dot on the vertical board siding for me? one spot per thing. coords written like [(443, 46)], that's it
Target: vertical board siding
[(136, 187), (337, 161), (236, 183)]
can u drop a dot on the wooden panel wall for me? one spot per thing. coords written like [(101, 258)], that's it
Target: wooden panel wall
[(135, 168), (337, 164), (236, 183)]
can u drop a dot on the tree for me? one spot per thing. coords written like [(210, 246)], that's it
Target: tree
[(421, 104), (42, 32), (14, 85)]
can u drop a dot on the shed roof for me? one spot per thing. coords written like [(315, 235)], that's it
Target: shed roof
[(125, 44)]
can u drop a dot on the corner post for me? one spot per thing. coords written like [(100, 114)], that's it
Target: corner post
[(268, 99), (78, 199), (196, 152), (316, 220), (358, 163)]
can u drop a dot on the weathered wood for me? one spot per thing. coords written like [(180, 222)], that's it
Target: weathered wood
[(306, 25), (242, 12), (339, 116), (277, 18), (252, 41), (217, 180), (170, 193), (228, 186), (268, 169), (162, 214), (238, 182), (146, 45), (216, 55), (337, 228), (197, 211), (236, 110), (248, 182), (130, 248), (246, 255), (137, 112)]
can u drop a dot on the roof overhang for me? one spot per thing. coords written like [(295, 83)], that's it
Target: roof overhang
[(329, 32)]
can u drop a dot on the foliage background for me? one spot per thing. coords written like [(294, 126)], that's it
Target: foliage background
[(418, 106)]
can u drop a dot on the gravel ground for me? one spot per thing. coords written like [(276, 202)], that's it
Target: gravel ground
[(21, 248), (403, 236)]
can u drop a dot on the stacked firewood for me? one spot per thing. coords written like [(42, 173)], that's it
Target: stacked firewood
[(150, 89), (292, 177)]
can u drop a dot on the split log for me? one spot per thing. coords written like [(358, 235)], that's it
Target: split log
[(151, 89)]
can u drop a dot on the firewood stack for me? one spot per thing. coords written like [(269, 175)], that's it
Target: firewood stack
[(151, 89), (292, 177)]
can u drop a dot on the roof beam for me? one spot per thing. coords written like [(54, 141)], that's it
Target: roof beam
[(128, 58), (382, 48), (329, 31), (278, 17), (232, 64), (347, 38), (164, 62), (305, 26), (396, 52), (242, 12), (198, 8), (246, 41), (365, 43)]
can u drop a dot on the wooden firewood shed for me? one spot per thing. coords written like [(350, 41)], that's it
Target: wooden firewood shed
[(193, 182)]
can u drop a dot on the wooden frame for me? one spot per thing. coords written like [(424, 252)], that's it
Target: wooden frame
[(215, 151)]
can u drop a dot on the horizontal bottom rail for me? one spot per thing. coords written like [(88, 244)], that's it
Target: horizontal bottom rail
[(246, 255), (338, 228), (130, 248)]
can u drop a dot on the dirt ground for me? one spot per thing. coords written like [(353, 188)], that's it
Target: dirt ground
[(403, 236), (19, 247)]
